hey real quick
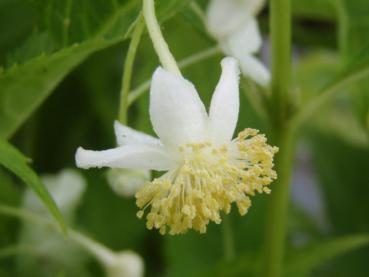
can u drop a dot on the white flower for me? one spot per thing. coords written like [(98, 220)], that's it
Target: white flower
[(66, 188), (206, 170), (125, 264), (116, 264), (51, 252), (126, 182), (233, 23)]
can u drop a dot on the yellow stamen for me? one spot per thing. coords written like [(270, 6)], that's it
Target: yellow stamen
[(209, 179)]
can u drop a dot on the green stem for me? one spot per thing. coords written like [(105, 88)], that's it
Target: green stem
[(127, 71), (229, 252), (276, 226), (280, 25), (198, 11), (161, 47), (282, 136), (190, 60)]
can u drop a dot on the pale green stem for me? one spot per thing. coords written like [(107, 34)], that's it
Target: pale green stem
[(17, 249), (198, 11), (161, 47), (101, 253), (229, 252), (127, 70), (282, 136), (190, 60)]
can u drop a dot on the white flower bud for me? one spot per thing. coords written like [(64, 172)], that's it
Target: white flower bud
[(126, 182), (126, 264)]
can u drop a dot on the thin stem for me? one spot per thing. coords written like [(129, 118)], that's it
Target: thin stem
[(161, 47), (198, 11), (229, 252), (190, 60), (101, 252), (282, 136), (199, 56), (127, 71)]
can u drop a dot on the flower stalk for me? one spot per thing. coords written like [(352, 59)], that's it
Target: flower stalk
[(127, 70), (161, 47), (280, 25), (282, 136)]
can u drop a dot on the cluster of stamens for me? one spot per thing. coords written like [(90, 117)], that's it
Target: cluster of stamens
[(207, 181)]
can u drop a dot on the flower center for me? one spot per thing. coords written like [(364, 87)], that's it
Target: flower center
[(208, 180)]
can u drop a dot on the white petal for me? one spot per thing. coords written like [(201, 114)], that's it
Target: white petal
[(177, 113), (225, 16), (246, 39), (127, 135), (126, 156), (225, 103), (253, 68), (66, 188)]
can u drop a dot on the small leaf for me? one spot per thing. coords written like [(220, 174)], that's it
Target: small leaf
[(303, 261), (14, 161)]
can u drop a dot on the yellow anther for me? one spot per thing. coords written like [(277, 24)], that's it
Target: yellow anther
[(208, 181)]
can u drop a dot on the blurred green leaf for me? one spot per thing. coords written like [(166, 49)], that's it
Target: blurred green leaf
[(14, 161), (314, 9), (335, 120), (69, 39), (355, 70), (342, 172), (303, 261), (353, 38), (244, 265)]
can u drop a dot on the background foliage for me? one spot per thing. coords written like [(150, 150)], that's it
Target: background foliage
[(61, 65)]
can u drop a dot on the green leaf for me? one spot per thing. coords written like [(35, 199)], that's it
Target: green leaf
[(353, 38), (66, 39), (355, 70), (14, 161), (341, 170), (316, 9), (303, 261)]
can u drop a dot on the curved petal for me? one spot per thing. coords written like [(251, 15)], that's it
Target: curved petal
[(225, 16), (246, 39), (225, 103), (127, 156), (127, 135), (253, 68), (176, 111)]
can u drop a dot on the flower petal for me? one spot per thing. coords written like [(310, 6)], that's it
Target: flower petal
[(246, 39), (253, 68), (127, 135), (225, 103), (225, 16), (126, 156), (176, 111)]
